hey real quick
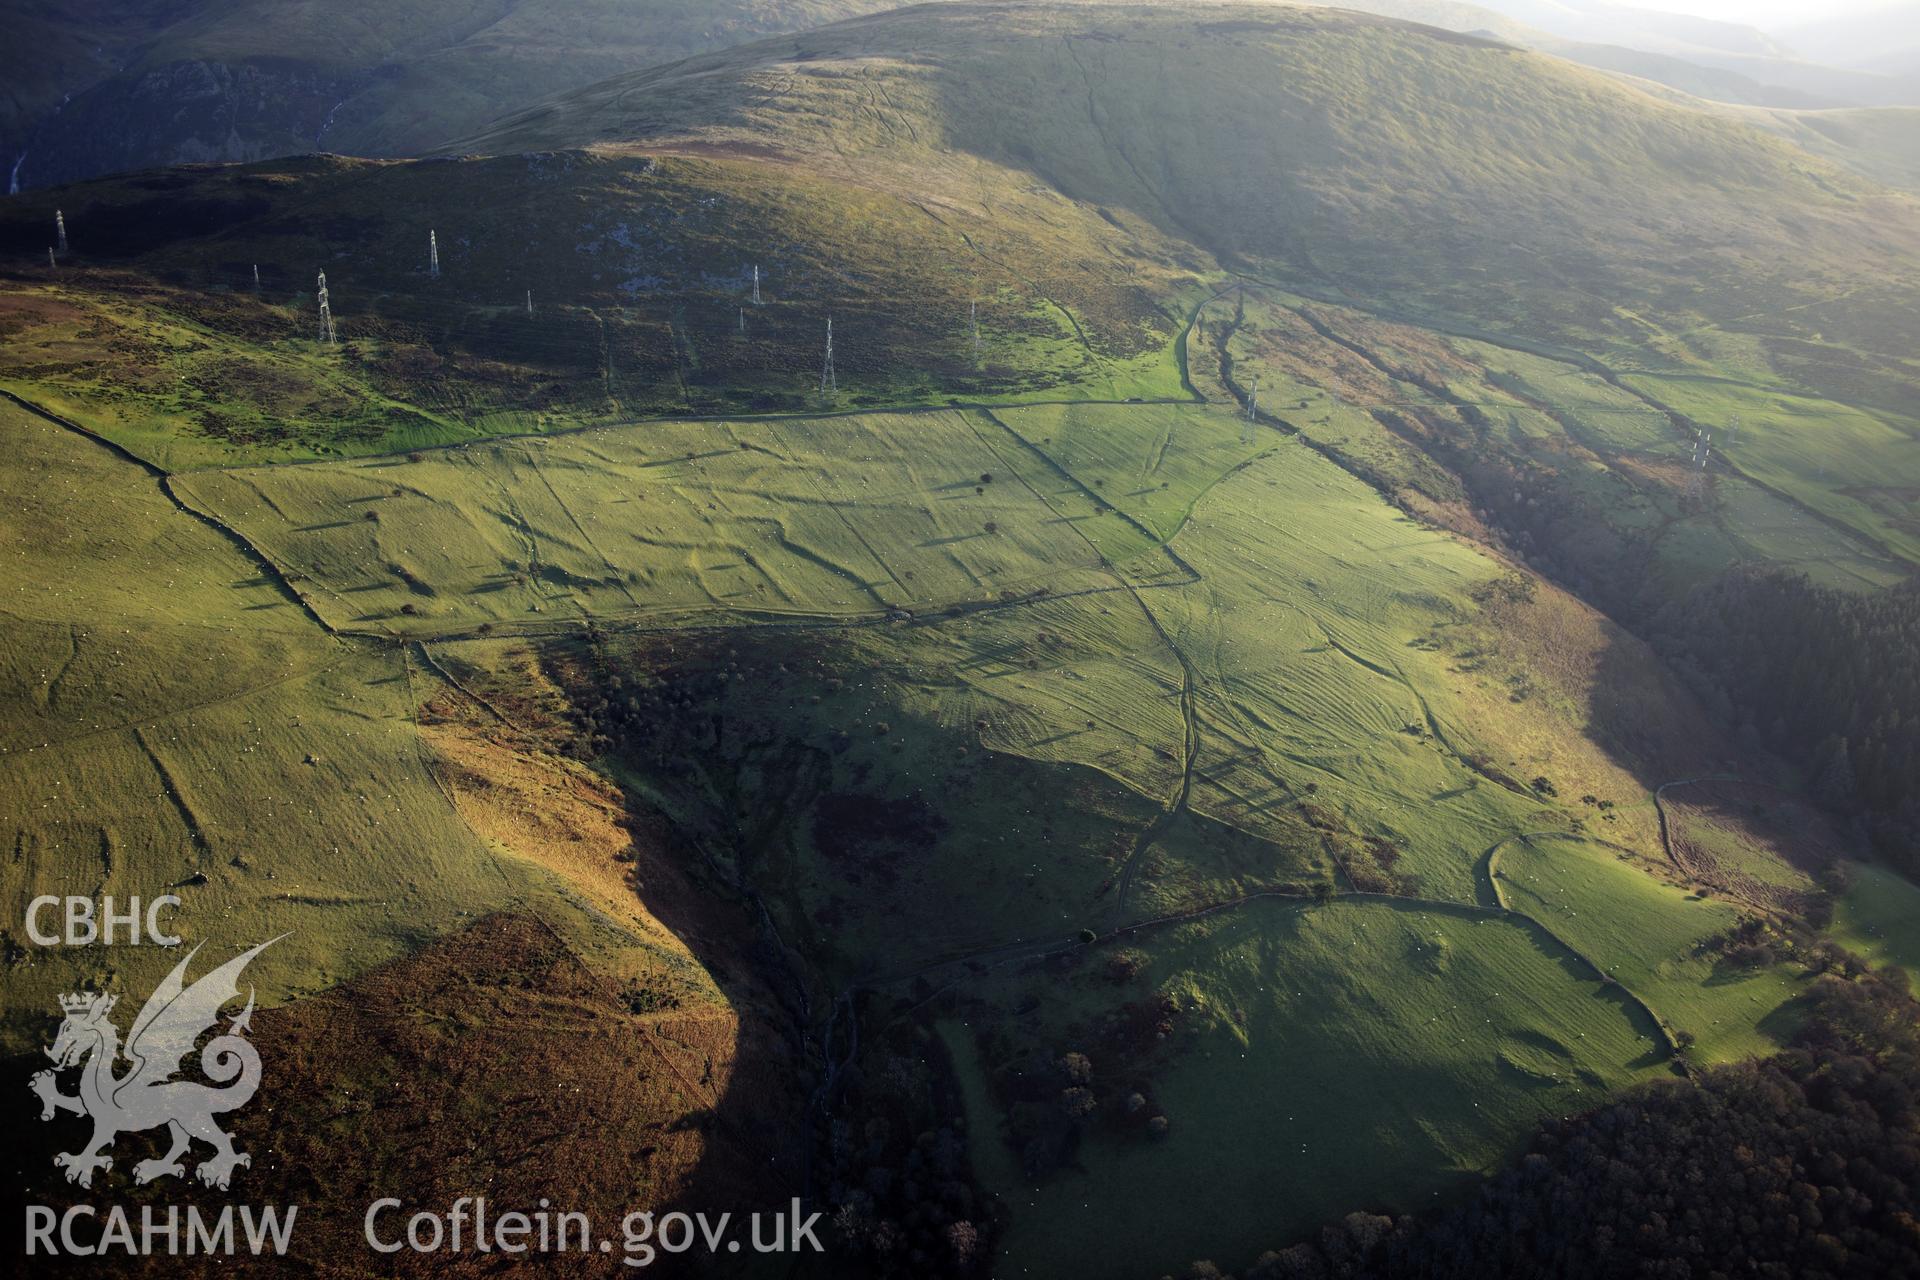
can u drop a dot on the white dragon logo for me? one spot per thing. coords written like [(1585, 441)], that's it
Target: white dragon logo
[(147, 1096)]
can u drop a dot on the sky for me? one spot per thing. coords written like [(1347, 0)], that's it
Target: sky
[(1766, 14)]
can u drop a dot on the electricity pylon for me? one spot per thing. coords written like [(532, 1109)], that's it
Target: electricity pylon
[(828, 383), (1702, 451), (326, 312)]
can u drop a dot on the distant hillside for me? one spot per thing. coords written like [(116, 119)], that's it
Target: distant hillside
[(1904, 63), (1879, 39), (1787, 62), (1100, 162), (1404, 162), (1617, 54), (54, 51), (1865, 87), (199, 80), (1713, 84), (1650, 29), (1881, 142)]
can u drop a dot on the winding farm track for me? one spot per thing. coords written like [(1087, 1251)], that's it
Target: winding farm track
[(1496, 907), (1683, 425), (1172, 806), (1660, 814)]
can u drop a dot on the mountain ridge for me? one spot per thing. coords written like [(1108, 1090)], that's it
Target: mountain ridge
[(1386, 147), (237, 80)]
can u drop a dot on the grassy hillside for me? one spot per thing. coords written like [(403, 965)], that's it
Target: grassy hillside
[(1873, 919), (1584, 469), (1439, 171), (176, 722), (1393, 175), (1354, 1053), (1280, 593), (173, 711), (1079, 227), (101, 87), (638, 273), (1139, 747), (1883, 143), (1654, 940), (925, 759)]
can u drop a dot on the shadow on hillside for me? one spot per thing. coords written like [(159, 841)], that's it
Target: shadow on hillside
[(1657, 730)]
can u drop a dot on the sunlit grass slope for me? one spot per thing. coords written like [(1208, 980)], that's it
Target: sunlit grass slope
[(1328, 1056), (175, 722), (1653, 938)]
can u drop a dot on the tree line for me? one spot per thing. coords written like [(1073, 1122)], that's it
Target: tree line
[(1803, 1166), (1829, 679)]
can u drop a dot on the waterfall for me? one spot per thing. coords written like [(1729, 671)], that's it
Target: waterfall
[(13, 178), (328, 123)]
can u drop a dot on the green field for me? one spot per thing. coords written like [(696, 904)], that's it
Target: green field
[(1266, 593), (1607, 455), (1233, 630), (1852, 467), (1091, 665), (1648, 936), (1242, 698), (1876, 918), (1360, 1053), (819, 517), (175, 722)]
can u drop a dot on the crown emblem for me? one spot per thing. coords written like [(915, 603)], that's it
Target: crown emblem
[(84, 1002)]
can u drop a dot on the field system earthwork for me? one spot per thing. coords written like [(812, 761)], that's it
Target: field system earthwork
[(1156, 732), (1152, 742)]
